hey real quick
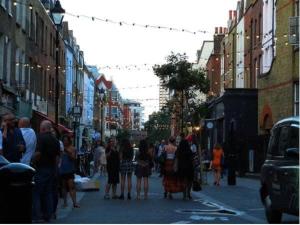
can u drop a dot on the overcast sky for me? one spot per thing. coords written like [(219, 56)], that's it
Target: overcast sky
[(106, 44)]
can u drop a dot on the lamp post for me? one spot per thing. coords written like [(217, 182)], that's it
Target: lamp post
[(57, 14), (102, 94)]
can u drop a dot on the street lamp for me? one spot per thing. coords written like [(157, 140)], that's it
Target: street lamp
[(57, 14), (102, 94)]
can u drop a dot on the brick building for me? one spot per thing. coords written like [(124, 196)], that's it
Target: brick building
[(253, 41), (279, 84), (213, 65)]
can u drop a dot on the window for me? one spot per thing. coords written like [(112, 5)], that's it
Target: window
[(273, 143), (18, 65), (19, 13), (23, 17), (296, 99), (35, 24), (50, 44), (296, 7), (8, 61), (283, 140), (294, 137), (6, 4)]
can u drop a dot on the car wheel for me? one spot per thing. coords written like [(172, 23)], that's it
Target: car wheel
[(273, 216)]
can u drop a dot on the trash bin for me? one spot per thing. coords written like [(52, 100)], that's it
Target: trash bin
[(16, 193)]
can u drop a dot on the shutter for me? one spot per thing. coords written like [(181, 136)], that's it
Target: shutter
[(294, 30)]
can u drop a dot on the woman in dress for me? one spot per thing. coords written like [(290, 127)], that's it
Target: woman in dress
[(113, 166), (126, 167), (185, 172), (143, 168), (216, 163), (170, 181), (67, 170)]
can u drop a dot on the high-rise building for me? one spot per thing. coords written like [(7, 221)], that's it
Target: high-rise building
[(164, 95)]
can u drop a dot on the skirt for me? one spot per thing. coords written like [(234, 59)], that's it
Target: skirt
[(171, 182), (126, 167)]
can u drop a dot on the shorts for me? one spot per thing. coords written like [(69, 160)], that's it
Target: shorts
[(142, 171)]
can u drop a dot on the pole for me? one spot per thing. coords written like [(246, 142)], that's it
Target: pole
[(101, 124), (56, 77)]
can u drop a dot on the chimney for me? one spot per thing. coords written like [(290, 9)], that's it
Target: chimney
[(216, 30), (230, 14), (234, 15), (220, 30)]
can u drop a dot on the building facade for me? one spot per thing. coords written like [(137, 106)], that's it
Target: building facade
[(279, 83)]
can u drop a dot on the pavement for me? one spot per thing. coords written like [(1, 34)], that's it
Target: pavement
[(214, 204)]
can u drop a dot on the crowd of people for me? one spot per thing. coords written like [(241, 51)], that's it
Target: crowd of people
[(56, 161)]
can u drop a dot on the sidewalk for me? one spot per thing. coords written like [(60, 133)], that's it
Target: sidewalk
[(62, 211)]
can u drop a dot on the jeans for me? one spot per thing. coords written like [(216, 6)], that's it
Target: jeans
[(43, 204)]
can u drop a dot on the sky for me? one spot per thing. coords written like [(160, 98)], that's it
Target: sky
[(105, 44)]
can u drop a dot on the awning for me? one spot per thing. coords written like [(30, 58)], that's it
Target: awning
[(61, 128)]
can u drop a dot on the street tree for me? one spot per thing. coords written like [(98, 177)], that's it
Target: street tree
[(157, 126), (178, 74)]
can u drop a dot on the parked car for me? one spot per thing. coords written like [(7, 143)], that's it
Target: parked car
[(280, 172)]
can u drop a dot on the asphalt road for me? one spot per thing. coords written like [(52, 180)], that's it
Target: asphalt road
[(223, 204)]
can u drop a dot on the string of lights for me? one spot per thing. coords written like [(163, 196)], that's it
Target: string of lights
[(159, 27)]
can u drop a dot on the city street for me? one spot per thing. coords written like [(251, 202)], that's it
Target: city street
[(223, 204)]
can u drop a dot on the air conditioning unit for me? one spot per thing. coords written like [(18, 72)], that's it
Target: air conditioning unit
[(294, 30)]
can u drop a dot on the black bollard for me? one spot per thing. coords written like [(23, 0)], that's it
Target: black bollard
[(16, 193), (231, 178)]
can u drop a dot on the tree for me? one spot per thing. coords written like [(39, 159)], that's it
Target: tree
[(178, 75), (157, 126)]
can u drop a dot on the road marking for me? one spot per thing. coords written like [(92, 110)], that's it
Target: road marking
[(246, 216), (182, 222), (209, 218), (257, 209)]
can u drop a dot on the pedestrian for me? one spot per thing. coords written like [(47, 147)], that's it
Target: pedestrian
[(185, 171), (13, 142), (45, 160), (29, 138), (143, 170), (96, 157), (67, 171), (216, 163), (126, 167), (113, 167), (170, 181), (151, 152), (57, 184), (102, 159), (156, 158), (161, 163)]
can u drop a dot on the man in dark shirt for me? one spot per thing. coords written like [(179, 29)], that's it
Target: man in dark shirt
[(45, 162), (13, 141)]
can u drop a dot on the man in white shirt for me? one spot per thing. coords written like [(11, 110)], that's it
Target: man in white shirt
[(30, 140)]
